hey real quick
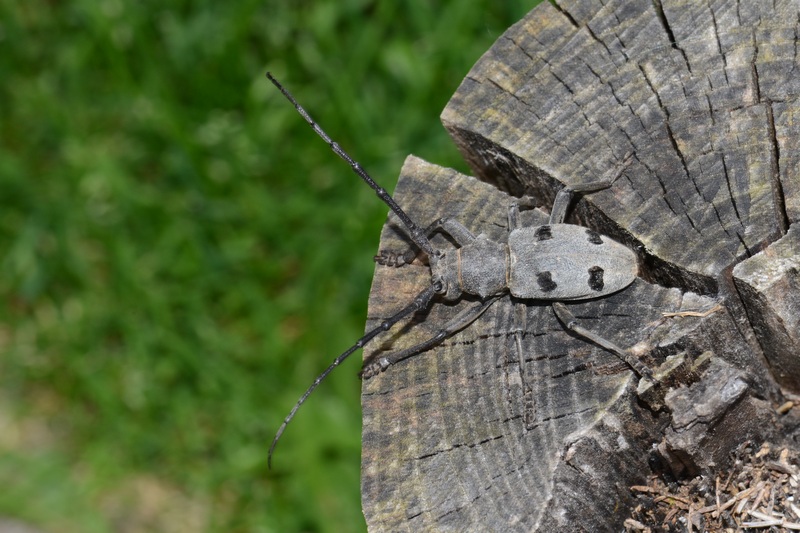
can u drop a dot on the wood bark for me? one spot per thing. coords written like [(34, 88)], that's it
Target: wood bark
[(514, 424)]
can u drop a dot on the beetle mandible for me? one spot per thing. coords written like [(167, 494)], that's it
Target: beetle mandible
[(554, 262)]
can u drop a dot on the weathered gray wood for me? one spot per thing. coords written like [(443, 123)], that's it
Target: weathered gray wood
[(769, 284), (515, 424)]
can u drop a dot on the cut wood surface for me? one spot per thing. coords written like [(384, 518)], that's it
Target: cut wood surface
[(515, 424)]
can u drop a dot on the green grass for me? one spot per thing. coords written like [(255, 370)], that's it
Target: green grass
[(180, 255)]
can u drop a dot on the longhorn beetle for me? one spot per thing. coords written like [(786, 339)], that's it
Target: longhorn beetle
[(554, 262)]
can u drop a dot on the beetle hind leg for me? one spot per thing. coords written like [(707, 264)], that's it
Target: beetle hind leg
[(571, 323), (525, 202), (528, 395), (564, 196)]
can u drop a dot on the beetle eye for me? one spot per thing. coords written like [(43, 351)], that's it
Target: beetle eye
[(438, 286)]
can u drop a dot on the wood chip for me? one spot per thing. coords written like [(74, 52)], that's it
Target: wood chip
[(630, 523), (779, 467), (701, 314)]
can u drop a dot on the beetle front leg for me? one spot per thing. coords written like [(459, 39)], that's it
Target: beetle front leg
[(395, 259), (446, 225), (571, 323)]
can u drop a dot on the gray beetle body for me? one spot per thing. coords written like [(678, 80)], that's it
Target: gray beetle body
[(552, 262)]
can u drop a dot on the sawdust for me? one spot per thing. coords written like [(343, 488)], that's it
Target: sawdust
[(760, 492)]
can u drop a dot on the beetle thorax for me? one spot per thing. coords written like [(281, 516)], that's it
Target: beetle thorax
[(479, 268)]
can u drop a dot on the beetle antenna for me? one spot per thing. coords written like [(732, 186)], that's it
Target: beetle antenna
[(416, 234), (420, 302)]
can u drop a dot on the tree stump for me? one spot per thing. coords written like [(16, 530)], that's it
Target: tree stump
[(516, 424)]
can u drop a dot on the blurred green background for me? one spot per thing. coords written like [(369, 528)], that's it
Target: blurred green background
[(180, 255)]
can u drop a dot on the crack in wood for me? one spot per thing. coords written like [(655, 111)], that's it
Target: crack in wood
[(662, 17), (730, 191), (719, 43), (754, 68), (565, 415), (521, 49), (781, 215), (458, 446), (566, 14)]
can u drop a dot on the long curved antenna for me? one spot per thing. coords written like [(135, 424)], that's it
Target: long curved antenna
[(416, 234), (421, 301)]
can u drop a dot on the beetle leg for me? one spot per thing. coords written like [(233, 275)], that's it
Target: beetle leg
[(528, 397), (454, 228), (395, 259), (564, 198), (459, 322), (560, 205), (571, 323), (448, 226), (525, 202), (565, 195)]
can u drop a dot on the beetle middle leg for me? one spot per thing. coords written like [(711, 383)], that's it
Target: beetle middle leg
[(449, 226), (564, 196), (463, 319)]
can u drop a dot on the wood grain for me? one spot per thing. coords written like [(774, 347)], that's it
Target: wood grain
[(514, 423)]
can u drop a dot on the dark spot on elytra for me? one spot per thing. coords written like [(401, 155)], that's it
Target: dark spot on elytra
[(545, 281), (594, 237), (596, 278), (543, 233)]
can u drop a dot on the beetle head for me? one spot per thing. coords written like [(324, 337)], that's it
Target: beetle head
[(444, 275)]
